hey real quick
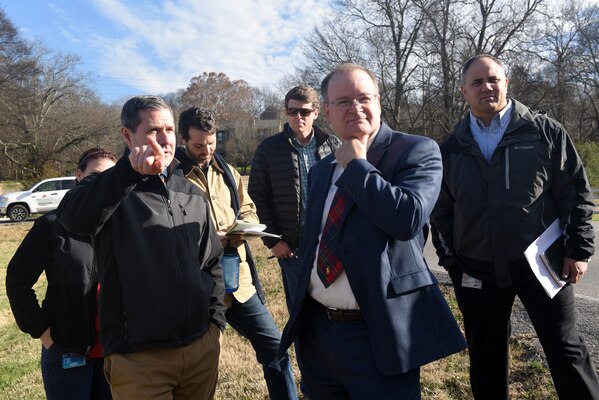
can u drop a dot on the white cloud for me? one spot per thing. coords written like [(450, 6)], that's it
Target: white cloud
[(159, 48)]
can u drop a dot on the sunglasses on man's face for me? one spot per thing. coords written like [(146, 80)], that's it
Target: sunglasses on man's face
[(304, 112)]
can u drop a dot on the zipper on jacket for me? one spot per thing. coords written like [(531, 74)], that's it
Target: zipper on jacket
[(177, 247), (122, 305), (124, 314), (169, 208), (507, 168), (126, 326)]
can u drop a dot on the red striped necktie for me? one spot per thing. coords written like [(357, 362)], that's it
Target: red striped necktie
[(328, 263)]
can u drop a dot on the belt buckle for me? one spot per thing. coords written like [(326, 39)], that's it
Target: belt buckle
[(329, 316)]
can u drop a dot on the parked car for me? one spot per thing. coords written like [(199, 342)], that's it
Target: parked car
[(43, 197)]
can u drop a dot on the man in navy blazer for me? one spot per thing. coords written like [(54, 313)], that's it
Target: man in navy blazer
[(365, 330)]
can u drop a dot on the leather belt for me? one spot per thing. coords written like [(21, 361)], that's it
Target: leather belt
[(335, 314)]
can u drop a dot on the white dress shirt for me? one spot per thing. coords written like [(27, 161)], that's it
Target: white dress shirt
[(339, 294)]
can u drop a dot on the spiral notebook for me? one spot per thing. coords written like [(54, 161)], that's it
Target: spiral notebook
[(553, 259), (547, 246)]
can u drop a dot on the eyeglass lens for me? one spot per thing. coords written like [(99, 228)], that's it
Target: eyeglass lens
[(304, 112)]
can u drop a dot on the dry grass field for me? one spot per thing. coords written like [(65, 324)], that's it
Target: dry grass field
[(240, 375)]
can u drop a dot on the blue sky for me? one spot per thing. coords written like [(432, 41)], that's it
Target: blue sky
[(148, 47)]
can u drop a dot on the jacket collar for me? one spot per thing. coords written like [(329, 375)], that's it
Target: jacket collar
[(187, 163), (320, 135), (173, 167), (521, 115)]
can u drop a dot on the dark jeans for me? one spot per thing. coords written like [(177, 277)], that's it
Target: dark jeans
[(80, 383), (487, 314), (253, 320)]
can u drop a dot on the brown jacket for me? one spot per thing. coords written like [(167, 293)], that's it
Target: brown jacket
[(223, 216)]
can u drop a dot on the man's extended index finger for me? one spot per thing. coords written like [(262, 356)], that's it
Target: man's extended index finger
[(156, 148)]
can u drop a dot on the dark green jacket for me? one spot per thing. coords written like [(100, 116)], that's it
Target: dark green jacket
[(490, 211)]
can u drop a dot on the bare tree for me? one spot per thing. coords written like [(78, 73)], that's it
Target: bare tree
[(499, 26), (236, 106), (268, 99), (46, 115), (240, 146), (379, 34), (16, 59), (546, 67), (308, 76), (443, 43), (587, 27), (416, 48)]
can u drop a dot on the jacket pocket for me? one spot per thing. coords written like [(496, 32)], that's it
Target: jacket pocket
[(72, 309), (199, 293)]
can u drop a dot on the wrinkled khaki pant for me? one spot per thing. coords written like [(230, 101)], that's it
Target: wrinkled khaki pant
[(188, 372)]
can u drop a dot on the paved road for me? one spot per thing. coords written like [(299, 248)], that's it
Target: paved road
[(587, 302)]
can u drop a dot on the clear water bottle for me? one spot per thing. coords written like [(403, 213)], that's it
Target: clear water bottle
[(230, 263)]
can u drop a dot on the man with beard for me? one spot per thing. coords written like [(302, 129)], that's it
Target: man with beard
[(229, 201)]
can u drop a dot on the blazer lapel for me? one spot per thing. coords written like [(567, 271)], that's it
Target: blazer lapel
[(379, 146)]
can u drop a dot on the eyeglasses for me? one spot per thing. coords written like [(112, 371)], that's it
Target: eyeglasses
[(304, 112), (345, 103)]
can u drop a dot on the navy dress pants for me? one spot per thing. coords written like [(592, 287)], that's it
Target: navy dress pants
[(335, 358)]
